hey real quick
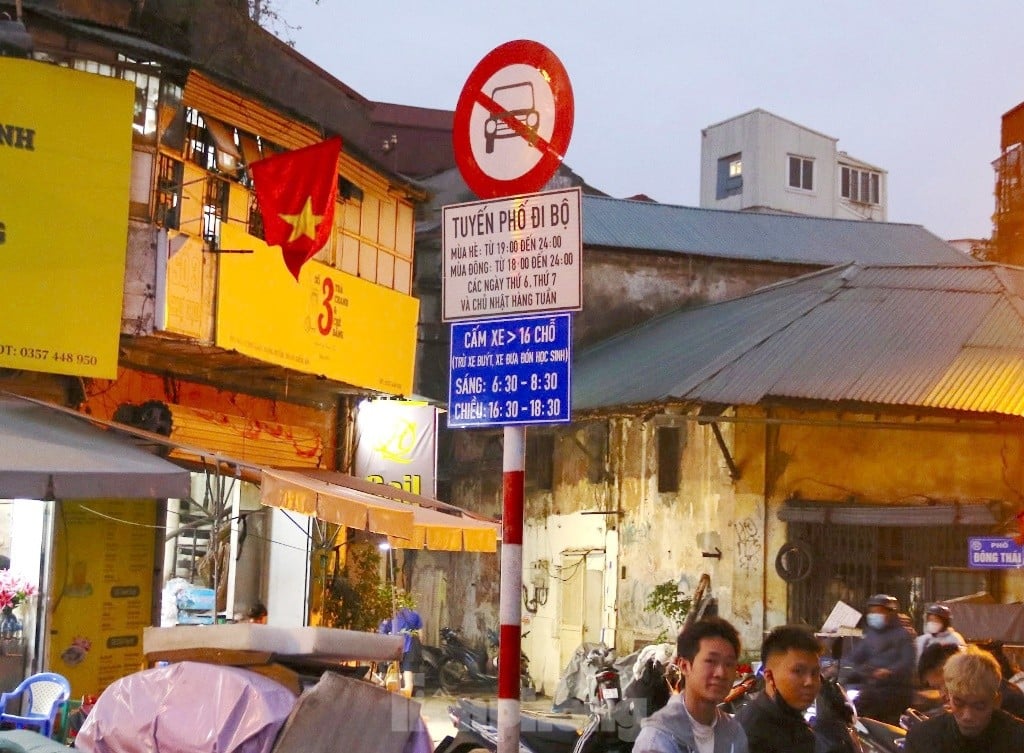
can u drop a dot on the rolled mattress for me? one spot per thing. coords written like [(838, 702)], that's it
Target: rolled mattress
[(342, 645)]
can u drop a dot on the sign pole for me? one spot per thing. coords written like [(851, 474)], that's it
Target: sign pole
[(509, 609), (510, 130)]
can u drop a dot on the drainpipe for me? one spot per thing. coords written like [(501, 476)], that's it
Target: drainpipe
[(771, 431)]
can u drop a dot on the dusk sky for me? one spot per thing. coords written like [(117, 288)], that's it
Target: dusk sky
[(912, 86)]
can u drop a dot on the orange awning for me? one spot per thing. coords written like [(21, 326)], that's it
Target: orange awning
[(352, 502)]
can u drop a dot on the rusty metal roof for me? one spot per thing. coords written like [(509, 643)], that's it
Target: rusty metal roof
[(921, 336), (782, 238)]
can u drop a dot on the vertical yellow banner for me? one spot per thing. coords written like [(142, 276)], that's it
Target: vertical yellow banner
[(65, 163), (104, 556)]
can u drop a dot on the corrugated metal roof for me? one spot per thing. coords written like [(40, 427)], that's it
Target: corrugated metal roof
[(120, 39), (784, 238), (949, 337)]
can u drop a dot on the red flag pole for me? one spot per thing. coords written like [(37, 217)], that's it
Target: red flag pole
[(509, 609)]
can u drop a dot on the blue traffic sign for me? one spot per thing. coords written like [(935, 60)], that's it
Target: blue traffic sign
[(994, 553), (510, 371)]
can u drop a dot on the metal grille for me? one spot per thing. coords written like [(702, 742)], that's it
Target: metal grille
[(914, 564)]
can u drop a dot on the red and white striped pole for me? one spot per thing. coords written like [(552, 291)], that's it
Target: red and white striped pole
[(509, 609)]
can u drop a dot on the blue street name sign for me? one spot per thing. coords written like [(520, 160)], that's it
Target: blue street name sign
[(994, 553), (510, 371)]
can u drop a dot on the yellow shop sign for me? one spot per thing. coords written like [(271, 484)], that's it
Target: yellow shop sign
[(328, 322), (65, 166)]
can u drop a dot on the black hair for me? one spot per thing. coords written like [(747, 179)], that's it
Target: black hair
[(934, 657), (688, 642), (995, 648), (787, 637), (256, 611)]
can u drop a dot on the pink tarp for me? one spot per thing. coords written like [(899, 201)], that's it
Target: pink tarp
[(187, 707)]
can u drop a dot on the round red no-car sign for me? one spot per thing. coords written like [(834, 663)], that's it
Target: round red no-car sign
[(513, 120)]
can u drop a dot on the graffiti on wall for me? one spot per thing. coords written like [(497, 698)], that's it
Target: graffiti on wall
[(633, 606), (748, 545)]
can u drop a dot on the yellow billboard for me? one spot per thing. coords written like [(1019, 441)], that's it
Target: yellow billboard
[(65, 161), (327, 323), (102, 597)]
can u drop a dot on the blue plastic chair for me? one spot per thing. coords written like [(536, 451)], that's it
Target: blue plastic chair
[(41, 696)]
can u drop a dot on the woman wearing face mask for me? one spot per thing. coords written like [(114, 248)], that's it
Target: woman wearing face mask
[(882, 663), (937, 629)]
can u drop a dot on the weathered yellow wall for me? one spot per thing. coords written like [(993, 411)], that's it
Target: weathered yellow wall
[(905, 465), (664, 535)]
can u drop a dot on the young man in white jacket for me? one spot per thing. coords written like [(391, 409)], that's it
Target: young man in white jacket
[(691, 722)]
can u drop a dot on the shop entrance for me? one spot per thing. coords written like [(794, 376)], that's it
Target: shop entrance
[(916, 564)]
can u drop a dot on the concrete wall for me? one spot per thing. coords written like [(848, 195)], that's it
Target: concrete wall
[(622, 288), (605, 498)]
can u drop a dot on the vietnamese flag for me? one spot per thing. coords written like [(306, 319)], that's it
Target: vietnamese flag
[(296, 192)]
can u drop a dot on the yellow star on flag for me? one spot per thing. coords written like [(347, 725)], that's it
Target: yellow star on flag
[(304, 223)]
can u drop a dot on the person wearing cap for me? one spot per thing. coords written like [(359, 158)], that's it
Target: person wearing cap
[(882, 663), (938, 630)]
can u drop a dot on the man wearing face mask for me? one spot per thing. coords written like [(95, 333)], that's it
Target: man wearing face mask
[(938, 630), (774, 721), (882, 663)]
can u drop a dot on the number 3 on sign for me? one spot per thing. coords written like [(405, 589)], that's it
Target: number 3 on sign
[(325, 320)]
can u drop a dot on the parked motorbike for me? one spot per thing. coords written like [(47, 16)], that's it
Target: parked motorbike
[(612, 723), (456, 667), (526, 687), (873, 735), (610, 726)]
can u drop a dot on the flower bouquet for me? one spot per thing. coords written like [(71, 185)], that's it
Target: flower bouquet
[(14, 589)]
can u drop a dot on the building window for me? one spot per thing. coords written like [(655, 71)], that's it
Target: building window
[(255, 224), (540, 462), (801, 173), (199, 148), (215, 208), (668, 458), (863, 186), (168, 191), (730, 176)]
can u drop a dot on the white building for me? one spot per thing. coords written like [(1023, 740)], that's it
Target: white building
[(758, 161)]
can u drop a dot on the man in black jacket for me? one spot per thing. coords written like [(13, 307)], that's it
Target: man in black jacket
[(774, 721), (974, 722)]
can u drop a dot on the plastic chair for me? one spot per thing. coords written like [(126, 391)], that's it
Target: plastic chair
[(41, 696)]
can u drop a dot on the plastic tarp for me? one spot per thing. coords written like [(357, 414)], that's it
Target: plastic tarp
[(998, 622), (354, 716), (187, 708)]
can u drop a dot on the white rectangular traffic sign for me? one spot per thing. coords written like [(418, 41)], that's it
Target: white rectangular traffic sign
[(516, 255)]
